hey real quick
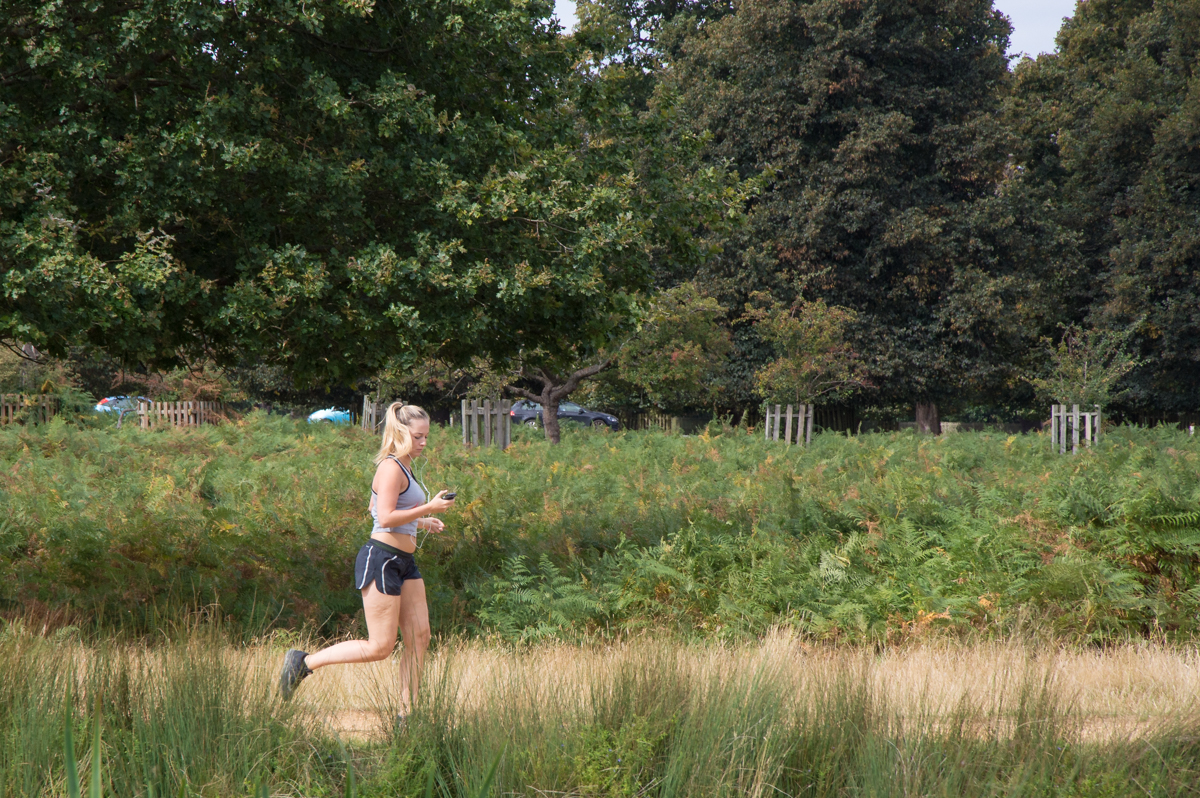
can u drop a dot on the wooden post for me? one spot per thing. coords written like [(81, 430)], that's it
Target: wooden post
[(474, 422), (1097, 430), (508, 427), (1054, 425), (1074, 429), (775, 432), (787, 433), (466, 439), (1087, 428), (766, 422), (487, 422)]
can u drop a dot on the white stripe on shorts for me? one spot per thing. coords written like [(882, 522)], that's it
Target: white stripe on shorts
[(366, 568), (383, 572)]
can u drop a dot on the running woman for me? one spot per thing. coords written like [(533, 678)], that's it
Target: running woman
[(393, 592)]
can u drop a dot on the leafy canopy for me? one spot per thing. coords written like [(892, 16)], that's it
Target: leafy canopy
[(324, 185), (813, 362)]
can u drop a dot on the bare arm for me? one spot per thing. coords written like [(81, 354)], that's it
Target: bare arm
[(390, 482)]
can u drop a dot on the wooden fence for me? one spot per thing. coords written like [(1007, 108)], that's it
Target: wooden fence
[(654, 421), (488, 422), (372, 414), (27, 407), (1068, 421), (803, 417), (153, 415)]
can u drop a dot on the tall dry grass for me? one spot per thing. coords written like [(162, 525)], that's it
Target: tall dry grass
[(1125, 689), (198, 716), (666, 718)]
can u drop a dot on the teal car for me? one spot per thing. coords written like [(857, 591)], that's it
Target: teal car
[(330, 415)]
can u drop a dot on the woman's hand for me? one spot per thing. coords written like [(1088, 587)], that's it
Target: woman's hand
[(433, 524), (438, 504)]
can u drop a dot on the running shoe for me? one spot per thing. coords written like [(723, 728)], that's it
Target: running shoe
[(294, 672)]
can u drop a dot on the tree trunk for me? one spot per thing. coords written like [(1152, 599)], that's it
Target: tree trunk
[(550, 404), (554, 390), (927, 418)]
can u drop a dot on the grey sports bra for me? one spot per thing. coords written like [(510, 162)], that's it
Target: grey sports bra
[(411, 497)]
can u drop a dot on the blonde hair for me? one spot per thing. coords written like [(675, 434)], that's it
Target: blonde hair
[(397, 438)]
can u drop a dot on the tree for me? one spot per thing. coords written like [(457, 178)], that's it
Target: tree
[(813, 361), (326, 186), (1086, 366), (888, 191), (1107, 128), (672, 345)]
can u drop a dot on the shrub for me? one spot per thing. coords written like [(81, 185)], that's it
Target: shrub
[(871, 537)]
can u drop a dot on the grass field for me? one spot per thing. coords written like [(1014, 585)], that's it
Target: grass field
[(875, 538), (196, 717)]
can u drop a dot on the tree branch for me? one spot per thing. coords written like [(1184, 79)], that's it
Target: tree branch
[(580, 375), (19, 351), (524, 393)]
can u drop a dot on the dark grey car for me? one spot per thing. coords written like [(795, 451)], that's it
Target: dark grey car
[(530, 413)]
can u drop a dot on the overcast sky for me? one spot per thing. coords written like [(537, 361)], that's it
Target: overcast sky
[(1035, 22)]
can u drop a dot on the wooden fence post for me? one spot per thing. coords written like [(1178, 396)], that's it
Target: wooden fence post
[(474, 422), (787, 434), (487, 422), (808, 425), (1074, 429)]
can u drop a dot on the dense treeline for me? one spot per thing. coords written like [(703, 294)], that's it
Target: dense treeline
[(348, 190)]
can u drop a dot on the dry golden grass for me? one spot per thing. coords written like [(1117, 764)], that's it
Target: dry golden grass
[(1123, 691)]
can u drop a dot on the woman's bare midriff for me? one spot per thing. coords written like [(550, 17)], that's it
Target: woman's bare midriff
[(397, 541)]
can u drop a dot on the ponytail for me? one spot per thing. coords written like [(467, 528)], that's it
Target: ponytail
[(397, 438)]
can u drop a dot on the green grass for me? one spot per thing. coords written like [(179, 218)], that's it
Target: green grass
[(874, 537)]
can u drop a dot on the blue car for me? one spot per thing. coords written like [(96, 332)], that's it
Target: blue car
[(330, 415), (119, 404)]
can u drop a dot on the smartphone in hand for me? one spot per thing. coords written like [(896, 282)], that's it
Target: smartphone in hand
[(450, 495)]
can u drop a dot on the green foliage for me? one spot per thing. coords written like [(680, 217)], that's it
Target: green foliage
[(872, 537), (1086, 366), (328, 185), (877, 124), (1106, 128), (678, 354), (813, 363)]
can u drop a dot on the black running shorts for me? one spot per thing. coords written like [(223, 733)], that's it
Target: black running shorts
[(386, 565)]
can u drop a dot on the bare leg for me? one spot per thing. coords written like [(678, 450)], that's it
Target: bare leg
[(383, 613), (414, 631)]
